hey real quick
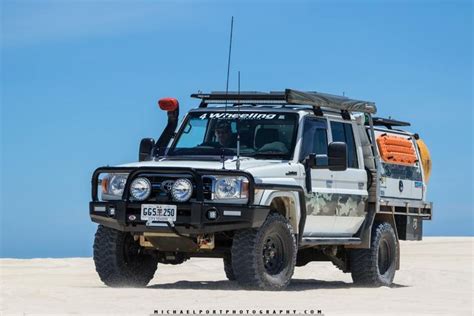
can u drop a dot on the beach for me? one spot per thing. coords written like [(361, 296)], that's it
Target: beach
[(435, 277)]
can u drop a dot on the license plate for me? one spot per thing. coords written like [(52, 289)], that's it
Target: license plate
[(158, 213)]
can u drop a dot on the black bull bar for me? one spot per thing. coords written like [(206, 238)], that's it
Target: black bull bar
[(196, 174), (194, 221)]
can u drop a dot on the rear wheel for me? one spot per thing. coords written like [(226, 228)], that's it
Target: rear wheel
[(376, 266), (265, 258), (120, 261)]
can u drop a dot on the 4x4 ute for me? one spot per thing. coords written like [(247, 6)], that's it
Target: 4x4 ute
[(267, 182)]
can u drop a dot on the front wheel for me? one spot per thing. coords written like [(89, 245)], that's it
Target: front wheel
[(229, 271), (265, 258), (120, 260), (376, 266)]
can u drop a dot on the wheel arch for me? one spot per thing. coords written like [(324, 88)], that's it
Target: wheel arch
[(287, 203)]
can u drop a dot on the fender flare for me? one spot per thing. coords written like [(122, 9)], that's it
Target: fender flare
[(292, 191)]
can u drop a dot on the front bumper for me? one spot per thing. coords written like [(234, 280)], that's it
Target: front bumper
[(191, 216), (190, 220)]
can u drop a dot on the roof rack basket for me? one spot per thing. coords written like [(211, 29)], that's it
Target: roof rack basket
[(288, 97)]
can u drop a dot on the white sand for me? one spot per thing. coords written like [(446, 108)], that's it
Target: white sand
[(436, 277)]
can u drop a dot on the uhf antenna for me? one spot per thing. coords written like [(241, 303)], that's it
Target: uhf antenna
[(227, 84), (237, 163)]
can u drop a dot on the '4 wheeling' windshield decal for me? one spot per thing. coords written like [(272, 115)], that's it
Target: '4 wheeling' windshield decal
[(242, 116)]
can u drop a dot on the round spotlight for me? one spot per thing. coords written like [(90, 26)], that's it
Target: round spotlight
[(140, 189), (182, 190)]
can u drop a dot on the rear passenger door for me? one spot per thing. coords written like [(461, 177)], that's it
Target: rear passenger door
[(351, 184)]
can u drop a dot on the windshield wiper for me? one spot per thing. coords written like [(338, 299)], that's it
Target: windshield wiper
[(193, 157), (200, 151), (269, 154)]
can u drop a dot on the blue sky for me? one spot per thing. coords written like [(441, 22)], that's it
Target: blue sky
[(80, 81)]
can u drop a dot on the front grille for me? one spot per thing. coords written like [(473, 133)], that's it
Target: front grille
[(207, 188)]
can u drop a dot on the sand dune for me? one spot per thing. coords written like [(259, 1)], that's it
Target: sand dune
[(436, 277)]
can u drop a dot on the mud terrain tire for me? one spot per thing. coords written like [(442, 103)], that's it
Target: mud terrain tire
[(229, 272), (376, 266), (120, 261), (265, 258)]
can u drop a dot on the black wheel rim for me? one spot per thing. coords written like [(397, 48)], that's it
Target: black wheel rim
[(384, 256), (273, 255)]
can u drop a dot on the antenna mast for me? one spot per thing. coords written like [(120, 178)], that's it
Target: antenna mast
[(237, 163), (227, 84)]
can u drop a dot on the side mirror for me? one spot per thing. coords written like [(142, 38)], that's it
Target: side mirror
[(316, 161), (146, 148), (337, 156)]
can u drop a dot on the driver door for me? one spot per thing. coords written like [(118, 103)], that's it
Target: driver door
[(321, 202)]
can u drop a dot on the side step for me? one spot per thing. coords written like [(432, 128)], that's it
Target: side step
[(315, 241)]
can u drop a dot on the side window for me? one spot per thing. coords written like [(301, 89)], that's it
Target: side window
[(342, 132), (315, 138)]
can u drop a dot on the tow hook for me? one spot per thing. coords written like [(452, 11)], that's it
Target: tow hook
[(206, 241)]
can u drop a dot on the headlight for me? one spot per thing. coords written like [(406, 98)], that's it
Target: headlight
[(140, 189), (182, 190), (230, 188), (113, 185)]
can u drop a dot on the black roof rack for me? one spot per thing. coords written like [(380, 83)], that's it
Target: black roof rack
[(244, 97), (287, 97), (388, 122)]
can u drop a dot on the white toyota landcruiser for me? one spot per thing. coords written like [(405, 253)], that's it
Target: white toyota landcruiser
[(267, 182)]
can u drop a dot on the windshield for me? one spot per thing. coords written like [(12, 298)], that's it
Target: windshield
[(262, 135)]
